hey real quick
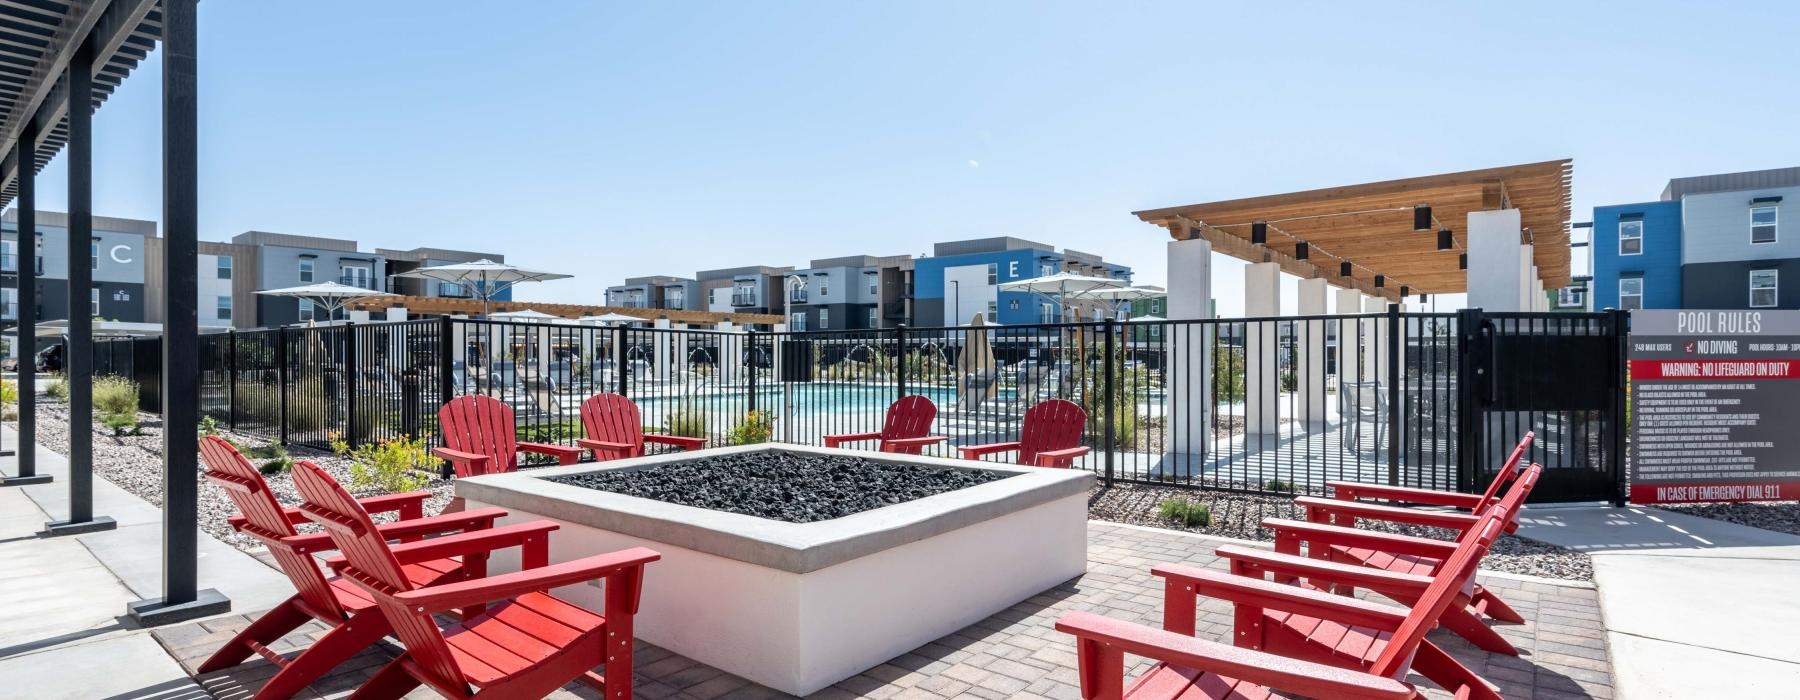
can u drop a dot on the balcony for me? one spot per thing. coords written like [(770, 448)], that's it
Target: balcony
[(743, 298), (452, 290), (634, 304), (797, 296), (360, 281)]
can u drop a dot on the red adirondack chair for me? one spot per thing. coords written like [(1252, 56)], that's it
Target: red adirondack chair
[(1051, 436), (1397, 566), (906, 430), (1345, 510), (524, 643), (332, 601), (615, 429), (483, 438), (1380, 643)]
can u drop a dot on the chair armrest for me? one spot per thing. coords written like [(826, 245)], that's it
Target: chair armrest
[(392, 502), (1290, 533), (1101, 635), (484, 590), (1053, 458), (599, 446), (1259, 593), (476, 542), (1325, 510), (564, 454), (836, 440), (916, 441), (1350, 490), (973, 451), (476, 520), (681, 441), (467, 463), (1249, 560)]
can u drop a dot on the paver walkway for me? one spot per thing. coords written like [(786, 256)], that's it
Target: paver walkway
[(1694, 607), (1018, 653)]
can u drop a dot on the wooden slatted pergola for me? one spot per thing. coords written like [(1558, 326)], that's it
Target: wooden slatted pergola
[(1372, 227)]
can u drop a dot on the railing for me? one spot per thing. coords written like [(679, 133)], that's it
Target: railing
[(797, 296), (743, 298), (360, 281)]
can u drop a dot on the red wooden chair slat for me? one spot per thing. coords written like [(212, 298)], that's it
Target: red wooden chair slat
[(520, 643), (906, 429), (1050, 436), (615, 429), (330, 600)]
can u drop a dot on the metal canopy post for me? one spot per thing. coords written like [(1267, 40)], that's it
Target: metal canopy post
[(25, 259), (78, 345), (181, 334)]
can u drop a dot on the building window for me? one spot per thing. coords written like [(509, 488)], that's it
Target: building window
[(675, 298), (993, 273), (1762, 224), (1569, 297), (874, 317), (824, 319), (94, 301), (1765, 288), (306, 310), (224, 308), (9, 303), (993, 312), (357, 276), (797, 322), (1046, 269), (1631, 237), (455, 289), (224, 267), (824, 287), (874, 282), (306, 270), (9, 256), (93, 255), (1631, 293), (1046, 313)]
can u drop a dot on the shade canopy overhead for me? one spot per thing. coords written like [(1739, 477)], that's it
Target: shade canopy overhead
[(329, 295), (610, 318), (484, 277), (1373, 227)]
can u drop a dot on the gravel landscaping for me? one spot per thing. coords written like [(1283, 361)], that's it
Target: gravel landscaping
[(134, 463), (1780, 516), (785, 486), (1241, 515)]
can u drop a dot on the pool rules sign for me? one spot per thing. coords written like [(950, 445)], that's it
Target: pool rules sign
[(1715, 406)]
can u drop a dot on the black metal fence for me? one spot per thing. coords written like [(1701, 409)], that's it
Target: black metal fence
[(1262, 405)]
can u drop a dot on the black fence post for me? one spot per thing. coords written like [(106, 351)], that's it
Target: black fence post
[(1621, 337), (447, 352), (1106, 388), (281, 383), (1395, 346), (750, 363), (347, 385), (619, 360), (231, 377), (900, 361), (1470, 373)]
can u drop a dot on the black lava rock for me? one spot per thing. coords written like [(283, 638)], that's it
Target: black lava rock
[(786, 486)]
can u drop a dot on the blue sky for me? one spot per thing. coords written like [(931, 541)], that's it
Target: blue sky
[(612, 140)]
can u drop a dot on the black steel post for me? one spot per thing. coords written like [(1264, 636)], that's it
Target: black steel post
[(1470, 372), (78, 344), (750, 363), (281, 383), (346, 384), (619, 360), (1621, 338), (27, 313), (447, 352), (181, 599), (1395, 346), (1107, 396), (231, 378), (900, 361)]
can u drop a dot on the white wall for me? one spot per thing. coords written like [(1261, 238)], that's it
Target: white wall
[(970, 295)]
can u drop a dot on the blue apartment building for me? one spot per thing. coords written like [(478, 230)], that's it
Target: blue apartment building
[(961, 279), (1710, 242)]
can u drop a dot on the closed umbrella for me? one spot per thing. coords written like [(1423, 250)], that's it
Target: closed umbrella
[(975, 367)]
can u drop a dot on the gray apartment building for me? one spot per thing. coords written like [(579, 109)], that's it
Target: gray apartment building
[(851, 293), (657, 292), (751, 290), (400, 261), (115, 255)]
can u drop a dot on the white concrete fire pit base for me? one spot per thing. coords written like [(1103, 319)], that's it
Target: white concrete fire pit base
[(800, 606)]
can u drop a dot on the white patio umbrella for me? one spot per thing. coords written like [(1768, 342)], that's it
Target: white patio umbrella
[(1119, 296), (485, 277), (525, 315), (1064, 286), (330, 295), (610, 318)]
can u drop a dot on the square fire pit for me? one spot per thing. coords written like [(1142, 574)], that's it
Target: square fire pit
[(889, 551)]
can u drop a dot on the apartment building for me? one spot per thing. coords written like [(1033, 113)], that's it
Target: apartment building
[(756, 289), (401, 261), (857, 292), (1709, 242), (961, 279), (115, 255), (657, 292)]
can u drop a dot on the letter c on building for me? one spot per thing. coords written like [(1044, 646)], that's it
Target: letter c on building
[(118, 253)]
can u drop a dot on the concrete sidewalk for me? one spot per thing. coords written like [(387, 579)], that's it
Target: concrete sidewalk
[(1694, 608), (65, 618)]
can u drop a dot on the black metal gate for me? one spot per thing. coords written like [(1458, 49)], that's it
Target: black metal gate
[(1559, 374)]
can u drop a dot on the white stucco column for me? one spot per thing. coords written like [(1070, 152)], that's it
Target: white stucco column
[(1188, 403), (679, 343), (542, 335), (659, 349), (1496, 261), (1262, 348), (1309, 349), (396, 313), (1375, 350), (1349, 341), (731, 353)]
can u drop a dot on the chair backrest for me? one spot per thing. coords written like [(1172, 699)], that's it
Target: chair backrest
[(1055, 424), (610, 417), (1510, 469), (910, 417), (264, 520), (483, 425), (370, 560), (1396, 658)]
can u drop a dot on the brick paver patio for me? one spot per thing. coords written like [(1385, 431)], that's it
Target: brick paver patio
[(1017, 653)]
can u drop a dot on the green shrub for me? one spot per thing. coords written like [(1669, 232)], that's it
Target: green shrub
[(554, 433), (57, 389), (1228, 372), (1279, 486), (120, 424), (394, 465), (756, 427), (9, 392), (276, 459), (114, 395), (1124, 397), (208, 426), (1289, 382), (687, 421), (1184, 512)]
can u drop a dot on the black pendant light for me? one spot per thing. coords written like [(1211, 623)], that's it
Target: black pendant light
[(1462, 261), (1444, 239), (1404, 291), (1423, 298), (1259, 232), (1344, 269), (1301, 250), (1380, 281), (1422, 217)]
